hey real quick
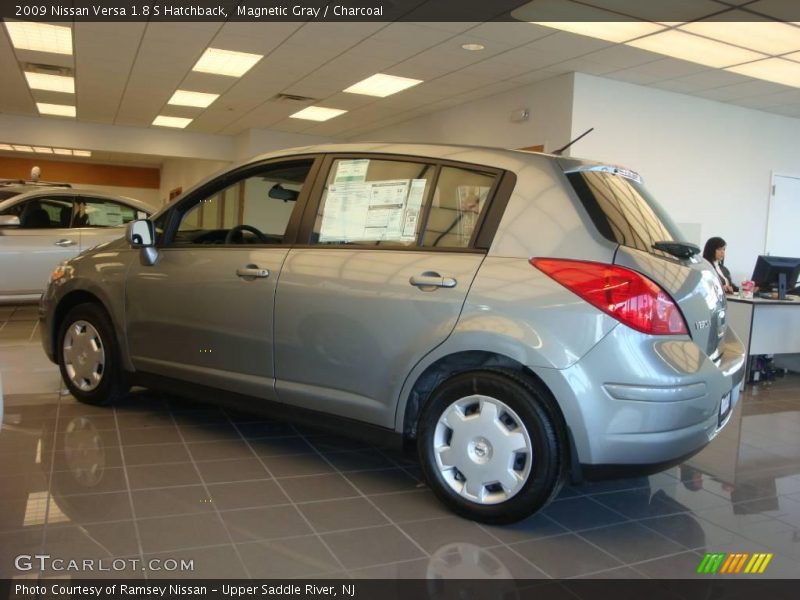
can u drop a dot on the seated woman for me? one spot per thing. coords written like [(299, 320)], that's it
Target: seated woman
[(714, 252)]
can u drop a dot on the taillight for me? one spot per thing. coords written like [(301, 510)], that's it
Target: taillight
[(626, 295)]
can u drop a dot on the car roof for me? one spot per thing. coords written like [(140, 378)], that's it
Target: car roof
[(39, 190)]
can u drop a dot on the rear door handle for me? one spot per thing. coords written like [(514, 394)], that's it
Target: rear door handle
[(430, 280), (252, 272), (65, 242)]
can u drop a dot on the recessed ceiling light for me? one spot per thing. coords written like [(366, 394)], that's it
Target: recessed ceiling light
[(62, 151), (42, 150), (51, 83), (6, 147), (19, 148), (768, 37), (226, 62), (677, 44), (473, 47), (61, 110), (381, 85), (178, 122), (776, 70), (317, 113), (186, 98), (40, 37), (81, 153), (610, 31)]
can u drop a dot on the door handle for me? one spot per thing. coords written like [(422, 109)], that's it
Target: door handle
[(430, 280), (65, 242), (251, 271)]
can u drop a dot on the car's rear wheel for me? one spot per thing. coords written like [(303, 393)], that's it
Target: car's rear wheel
[(88, 356), (489, 446)]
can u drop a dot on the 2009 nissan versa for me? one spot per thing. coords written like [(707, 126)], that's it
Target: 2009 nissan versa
[(523, 317)]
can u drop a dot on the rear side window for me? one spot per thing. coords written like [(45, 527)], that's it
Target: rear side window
[(623, 211), (373, 202), (95, 212), (459, 200)]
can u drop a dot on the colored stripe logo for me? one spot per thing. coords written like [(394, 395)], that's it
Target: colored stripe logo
[(734, 563)]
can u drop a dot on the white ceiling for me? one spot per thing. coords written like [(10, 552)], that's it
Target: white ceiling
[(126, 72)]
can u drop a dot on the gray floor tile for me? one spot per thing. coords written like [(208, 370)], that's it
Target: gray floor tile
[(167, 434), (160, 476), (296, 557), (233, 448), (365, 547), (630, 542), (207, 431), (581, 513), (110, 479), (155, 454), (246, 494), (93, 508), (533, 528), (221, 471), (549, 555), (278, 446), (13, 544), (318, 487), (436, 534), (265, 523), (411, 506), (638, 504), (265, 429), (171, 501), (679, 566), (383, 482), (358, 460), (97, 540), (181, 531), (293, 465), (335, 515)]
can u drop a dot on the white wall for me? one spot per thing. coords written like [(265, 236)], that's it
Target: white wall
[(180, 172), (707, 162), (487, 122)]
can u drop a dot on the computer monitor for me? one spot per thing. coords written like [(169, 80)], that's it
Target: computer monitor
[(769, 268)]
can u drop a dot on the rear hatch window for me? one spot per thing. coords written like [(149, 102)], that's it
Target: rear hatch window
[(622, 210)]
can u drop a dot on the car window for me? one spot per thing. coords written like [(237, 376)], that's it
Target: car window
[(254, 210), (374, 202), (97, 212), (458, 202), (43, 212), (623, 211)]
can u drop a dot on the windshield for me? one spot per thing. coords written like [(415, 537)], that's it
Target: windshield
[(5, 194), (623, 211)]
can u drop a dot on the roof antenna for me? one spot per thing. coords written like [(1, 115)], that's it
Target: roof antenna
[(585, 133)]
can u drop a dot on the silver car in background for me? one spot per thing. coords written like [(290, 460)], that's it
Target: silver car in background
[(522, 318), (43, 224)]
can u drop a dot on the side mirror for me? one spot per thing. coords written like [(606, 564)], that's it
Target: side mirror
[(9, 221), (140, 234)]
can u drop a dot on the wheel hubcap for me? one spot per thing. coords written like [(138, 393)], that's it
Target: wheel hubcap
[(84, 356), (483, 449)]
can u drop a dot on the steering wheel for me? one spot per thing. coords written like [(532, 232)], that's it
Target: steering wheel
[(236, 232)]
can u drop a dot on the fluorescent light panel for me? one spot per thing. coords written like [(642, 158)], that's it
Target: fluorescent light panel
[(317, 113), (51, 83), (604, 30), (382, 85), (6, 147), (178, 122), (40, 37), (81, 153), (776, 70), (767, 37), (685, 46), (20, 148), (187, 98), (61, 110), (42, 150), (226, 62), (62, 151)]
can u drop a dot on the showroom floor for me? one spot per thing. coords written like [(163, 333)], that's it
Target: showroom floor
[(158, 477)]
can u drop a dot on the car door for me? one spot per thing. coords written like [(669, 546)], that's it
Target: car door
[(204, 311), (382, 282), (43, 238), (100, 220)]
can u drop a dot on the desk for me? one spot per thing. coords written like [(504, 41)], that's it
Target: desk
[(765, 326)]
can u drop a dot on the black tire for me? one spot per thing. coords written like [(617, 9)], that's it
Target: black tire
[(533, 405), (113, 380)]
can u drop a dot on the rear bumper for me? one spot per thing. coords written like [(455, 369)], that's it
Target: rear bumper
[(638, 403)]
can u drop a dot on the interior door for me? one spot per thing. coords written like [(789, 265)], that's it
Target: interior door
[(377, 290), (204, 311), (29, 253)]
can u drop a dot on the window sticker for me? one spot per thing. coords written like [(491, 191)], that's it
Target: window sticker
[(351, 171), (471, 199), (376, 211)]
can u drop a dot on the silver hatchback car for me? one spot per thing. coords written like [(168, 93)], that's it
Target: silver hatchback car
[(525, 318)]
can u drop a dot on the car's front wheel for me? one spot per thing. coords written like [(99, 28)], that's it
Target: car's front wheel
[(489, 446), (88, 356)]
